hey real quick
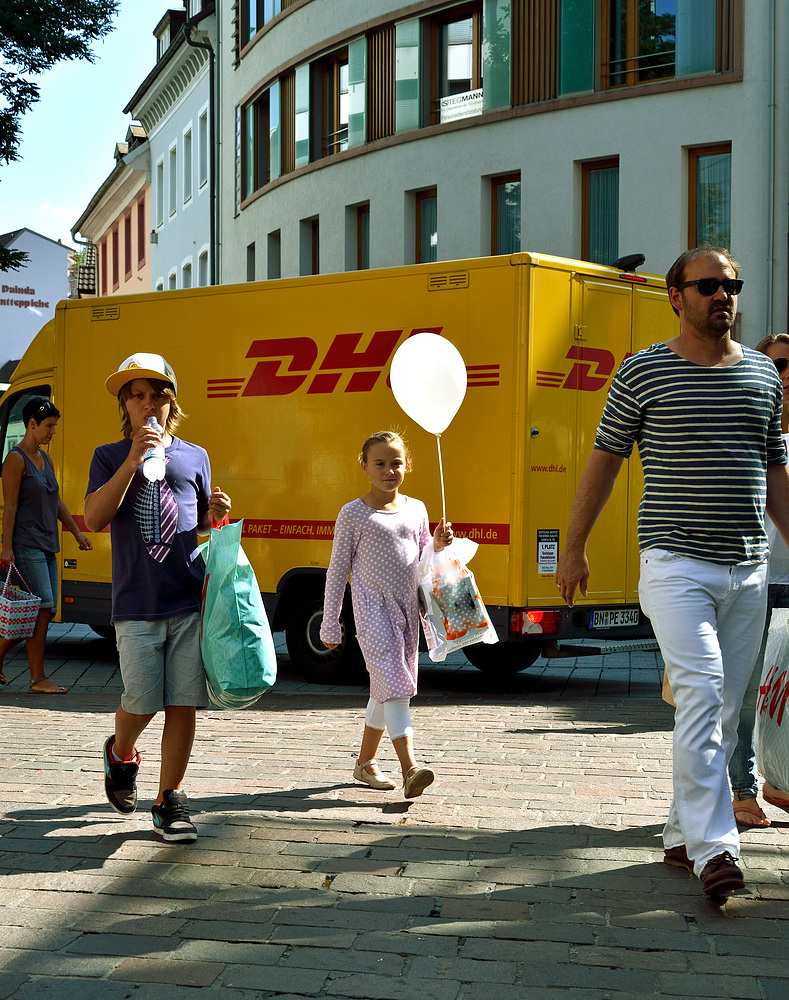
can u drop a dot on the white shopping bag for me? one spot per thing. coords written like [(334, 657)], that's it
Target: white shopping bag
[(772, 710)]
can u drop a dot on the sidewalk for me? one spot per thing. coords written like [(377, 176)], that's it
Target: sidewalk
[(530, 870)]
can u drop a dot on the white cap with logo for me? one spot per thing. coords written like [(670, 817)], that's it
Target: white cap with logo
[(141, 366)]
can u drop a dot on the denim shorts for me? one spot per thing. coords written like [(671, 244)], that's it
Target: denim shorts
[(39, 570), (161, 664)]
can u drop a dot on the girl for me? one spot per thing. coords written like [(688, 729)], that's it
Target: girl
[(379, 539)]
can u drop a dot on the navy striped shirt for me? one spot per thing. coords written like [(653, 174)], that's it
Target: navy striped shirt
[(706, 437)]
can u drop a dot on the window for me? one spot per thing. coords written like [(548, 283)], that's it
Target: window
[(331, 82), (115, 259), (202, 269), (104, 267), (160, 193), (127, 246), (160, 285), (142, 233), (309, 248), (456, 64), (505, 214), (172, 281), (186, 275), (363, 237), (709, 187), (173, 180), (640, 41), (251, 262), (202, 149), (258, 154), (12, 410), (426, 226), (600, 211), (187, 165), (257, 13), (273, 266)]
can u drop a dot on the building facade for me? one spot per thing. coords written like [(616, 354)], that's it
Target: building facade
[(28, 296), (117, 223), (174, 105), (376, 135)]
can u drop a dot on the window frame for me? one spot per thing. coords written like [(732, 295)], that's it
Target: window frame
[(632, 70), (363, 237), (188, 164), (327, 85), (116, 278), (419, 198), (435, 26), (495, 184), (142, 232), (588, 167), (694, 155), (127, 246)]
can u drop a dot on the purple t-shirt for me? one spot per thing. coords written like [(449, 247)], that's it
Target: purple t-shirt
[(157, 571)]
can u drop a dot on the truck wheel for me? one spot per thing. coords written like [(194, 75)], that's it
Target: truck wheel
[(107, 632), (343, 665), (503, 657)]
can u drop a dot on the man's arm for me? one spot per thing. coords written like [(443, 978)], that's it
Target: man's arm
[(778, 498), (592, 494)]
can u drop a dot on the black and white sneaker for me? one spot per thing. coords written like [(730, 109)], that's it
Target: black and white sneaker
[(171, 819), (120, 784)]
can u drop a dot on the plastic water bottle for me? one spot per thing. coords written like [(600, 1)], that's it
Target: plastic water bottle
[(153, 459)]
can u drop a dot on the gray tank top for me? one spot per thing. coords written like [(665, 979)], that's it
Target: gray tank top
[(36, 521)]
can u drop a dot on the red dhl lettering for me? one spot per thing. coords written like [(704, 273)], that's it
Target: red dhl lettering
[(287, 364), (489, 534), (582, 376)]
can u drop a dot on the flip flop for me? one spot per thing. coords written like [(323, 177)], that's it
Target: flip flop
[(778, 803), (3, 678), (35, 690), (751, 812)]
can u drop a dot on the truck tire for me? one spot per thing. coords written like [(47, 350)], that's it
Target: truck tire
[(343, 665), (503, 657), (106, 632)]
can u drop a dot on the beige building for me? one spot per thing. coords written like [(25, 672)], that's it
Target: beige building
[(117, 222)]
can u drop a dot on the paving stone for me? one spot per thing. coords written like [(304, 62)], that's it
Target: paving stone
[(721, 986), (61, 988), (151, 970), (276, 979), (382, 988)]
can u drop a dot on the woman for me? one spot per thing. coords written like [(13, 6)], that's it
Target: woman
[(742, 766), (30, 530)]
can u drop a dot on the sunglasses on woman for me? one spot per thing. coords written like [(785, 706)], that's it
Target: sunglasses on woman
[(709, 286), (780, 364)]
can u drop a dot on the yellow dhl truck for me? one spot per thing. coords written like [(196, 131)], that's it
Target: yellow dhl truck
[(283, 380)]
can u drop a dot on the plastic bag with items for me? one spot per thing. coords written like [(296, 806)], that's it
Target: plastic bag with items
[(772, 711), (453, 615)]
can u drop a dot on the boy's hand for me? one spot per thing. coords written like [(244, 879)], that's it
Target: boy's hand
[(442, 536), (218, 505)]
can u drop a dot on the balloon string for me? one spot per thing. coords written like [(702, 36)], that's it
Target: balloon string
[(441, 474)]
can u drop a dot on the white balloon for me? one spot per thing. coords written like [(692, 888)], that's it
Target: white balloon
[(428, 379)]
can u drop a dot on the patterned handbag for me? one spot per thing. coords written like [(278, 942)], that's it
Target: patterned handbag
[(18, 608)]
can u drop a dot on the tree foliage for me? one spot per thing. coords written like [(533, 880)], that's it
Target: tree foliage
[(35, 35)]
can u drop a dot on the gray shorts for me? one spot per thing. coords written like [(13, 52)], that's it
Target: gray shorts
[(161, 664)]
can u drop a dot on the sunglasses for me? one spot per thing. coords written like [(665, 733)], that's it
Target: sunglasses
[(780, 364), (709, 286)]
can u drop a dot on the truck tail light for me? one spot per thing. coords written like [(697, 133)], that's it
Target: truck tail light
[(535, 622)]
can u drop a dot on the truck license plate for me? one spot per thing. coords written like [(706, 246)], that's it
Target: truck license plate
[(617, 618)]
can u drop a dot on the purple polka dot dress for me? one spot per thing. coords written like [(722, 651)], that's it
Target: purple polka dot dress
[(381, 550)]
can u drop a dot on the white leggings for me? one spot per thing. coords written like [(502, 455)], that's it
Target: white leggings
[(392, 715)]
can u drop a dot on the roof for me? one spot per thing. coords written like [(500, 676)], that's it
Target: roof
[(6, 239), (8, 369)]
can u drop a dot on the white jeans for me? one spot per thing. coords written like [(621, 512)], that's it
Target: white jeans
[(708, 620)]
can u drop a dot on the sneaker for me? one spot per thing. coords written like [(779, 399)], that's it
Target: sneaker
[(120, 784), (171, 819), (677, 857), (417, 780), (720, 875)]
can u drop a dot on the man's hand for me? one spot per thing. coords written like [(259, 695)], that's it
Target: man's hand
[(572, 571)]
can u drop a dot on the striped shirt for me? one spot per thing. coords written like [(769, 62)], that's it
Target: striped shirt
[(706, 437)]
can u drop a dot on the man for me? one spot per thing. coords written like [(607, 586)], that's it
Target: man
[(706, 415), (157, 580)]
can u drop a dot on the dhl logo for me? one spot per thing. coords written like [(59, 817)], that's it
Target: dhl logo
[(287, 364), (581, 375)]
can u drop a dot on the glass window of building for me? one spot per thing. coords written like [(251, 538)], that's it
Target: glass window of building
[(331, 81), (202, 149), (363, 237), (709, 187), (187, 165), (173, 180), (455, 57), (186, 275), (160, 193), (142, 235), (600, 211), (426, 204), (505, 204), (202, 269)]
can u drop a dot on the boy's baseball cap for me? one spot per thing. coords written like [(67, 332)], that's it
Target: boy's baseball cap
[(141, 366)]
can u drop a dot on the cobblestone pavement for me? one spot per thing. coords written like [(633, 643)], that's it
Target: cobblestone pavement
[(531, 869)]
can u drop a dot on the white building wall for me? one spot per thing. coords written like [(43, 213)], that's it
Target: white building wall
[(650, 134)]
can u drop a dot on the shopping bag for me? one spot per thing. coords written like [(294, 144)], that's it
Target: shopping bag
[(235, 638), (18, 608), (453, 615), (772, 712)]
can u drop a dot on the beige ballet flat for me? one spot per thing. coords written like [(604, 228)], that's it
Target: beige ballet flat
[(417, 780), (361, 773)]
